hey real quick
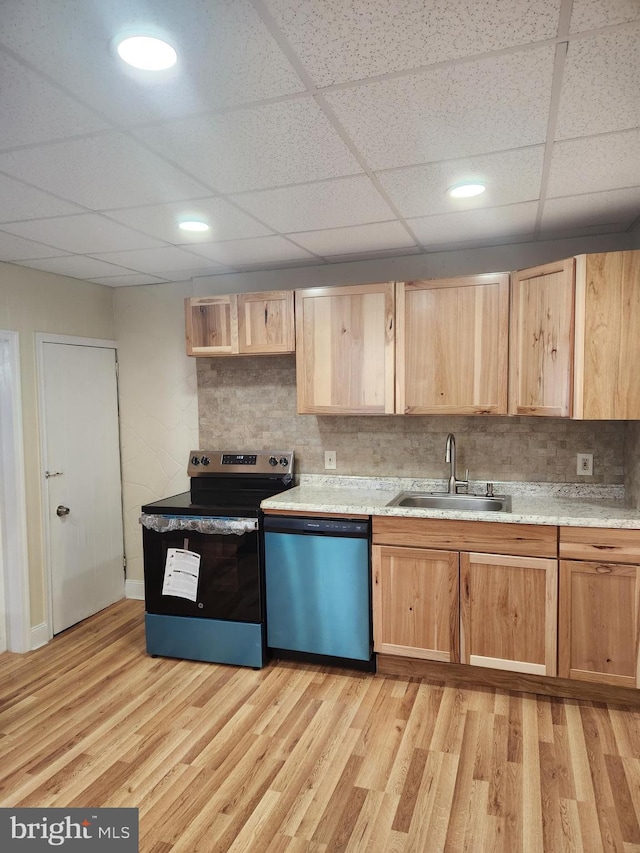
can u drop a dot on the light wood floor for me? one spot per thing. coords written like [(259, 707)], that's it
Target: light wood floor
[(300, 758)]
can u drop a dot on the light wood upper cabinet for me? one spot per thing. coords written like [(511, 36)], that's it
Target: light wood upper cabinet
[(508, 612), (415, 602), (265, 322), (607, 347), (452, 350), (211, 325), (345, 341), (240, 324), (542, 340)]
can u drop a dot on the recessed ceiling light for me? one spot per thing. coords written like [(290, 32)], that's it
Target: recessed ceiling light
[(193, 225), (466, 190), (150, 54)]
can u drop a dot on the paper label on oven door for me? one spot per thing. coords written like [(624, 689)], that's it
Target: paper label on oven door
[(181, 572)]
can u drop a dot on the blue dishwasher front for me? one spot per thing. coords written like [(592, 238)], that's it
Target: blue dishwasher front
[(318, 591)]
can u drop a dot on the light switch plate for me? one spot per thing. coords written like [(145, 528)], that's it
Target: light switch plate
[(330, 460)]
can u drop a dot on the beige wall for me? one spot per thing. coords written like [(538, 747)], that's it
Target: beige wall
[(32, 301), (158, 402)]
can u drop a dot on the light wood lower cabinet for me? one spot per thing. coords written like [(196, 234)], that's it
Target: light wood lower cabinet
[(435, 601), (599, 605), (508, 612), (599, 622), (415, 602)]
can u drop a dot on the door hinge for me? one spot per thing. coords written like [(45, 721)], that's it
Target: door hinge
[(124, 564)]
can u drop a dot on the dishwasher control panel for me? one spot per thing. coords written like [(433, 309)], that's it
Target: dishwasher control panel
[(356, 528)]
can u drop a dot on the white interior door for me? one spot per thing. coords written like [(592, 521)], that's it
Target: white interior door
[(84, 496)]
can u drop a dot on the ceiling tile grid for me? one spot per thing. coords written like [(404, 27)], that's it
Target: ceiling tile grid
[(310, 131)]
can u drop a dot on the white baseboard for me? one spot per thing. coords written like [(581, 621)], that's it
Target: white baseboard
[(39, 635), (134, 589)]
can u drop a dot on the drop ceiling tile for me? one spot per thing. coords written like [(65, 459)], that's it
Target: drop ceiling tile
[(486, 105), (600, 95), (226, 53), (241, 253), (590, 14), (467, 226), (128, 280), (104, 171), (356, 239), (76, 266), (595, 164), (615, 206), (84, 233), (35, 111), (14, 248), (339, 41), (211, 268), (167, 259), (510, 177), (20, 201), (265, 146), (161, 221), (328, 204)]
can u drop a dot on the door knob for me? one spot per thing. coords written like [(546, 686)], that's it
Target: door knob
[(62, 510)]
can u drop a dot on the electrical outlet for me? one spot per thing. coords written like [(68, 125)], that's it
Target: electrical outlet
[(585, 464), (330, 460)]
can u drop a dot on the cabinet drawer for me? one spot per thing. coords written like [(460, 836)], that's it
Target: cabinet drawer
[(589, 543), (528, 540)]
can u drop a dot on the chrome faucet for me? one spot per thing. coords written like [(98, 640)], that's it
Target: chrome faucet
[(450, 457)]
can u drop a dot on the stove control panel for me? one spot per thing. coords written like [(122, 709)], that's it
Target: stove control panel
[(211, 463), (239, 459)]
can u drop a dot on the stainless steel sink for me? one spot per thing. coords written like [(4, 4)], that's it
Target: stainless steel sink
[(445, 500)]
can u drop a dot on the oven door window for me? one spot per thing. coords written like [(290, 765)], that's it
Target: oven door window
[(229, 578)]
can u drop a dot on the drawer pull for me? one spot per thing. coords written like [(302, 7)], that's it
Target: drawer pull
[(603, 570)]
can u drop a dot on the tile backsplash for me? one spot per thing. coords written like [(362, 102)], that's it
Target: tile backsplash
[(632, 463), (250, 403)]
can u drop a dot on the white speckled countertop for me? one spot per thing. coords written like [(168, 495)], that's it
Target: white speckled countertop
[(570, 504)]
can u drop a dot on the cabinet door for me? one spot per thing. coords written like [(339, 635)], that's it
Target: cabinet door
[(415, 602), (452, 349), (607, 379), (212, 325), (542, 340), (265, 322), (345, 349), (508, 612), (599, 622)]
